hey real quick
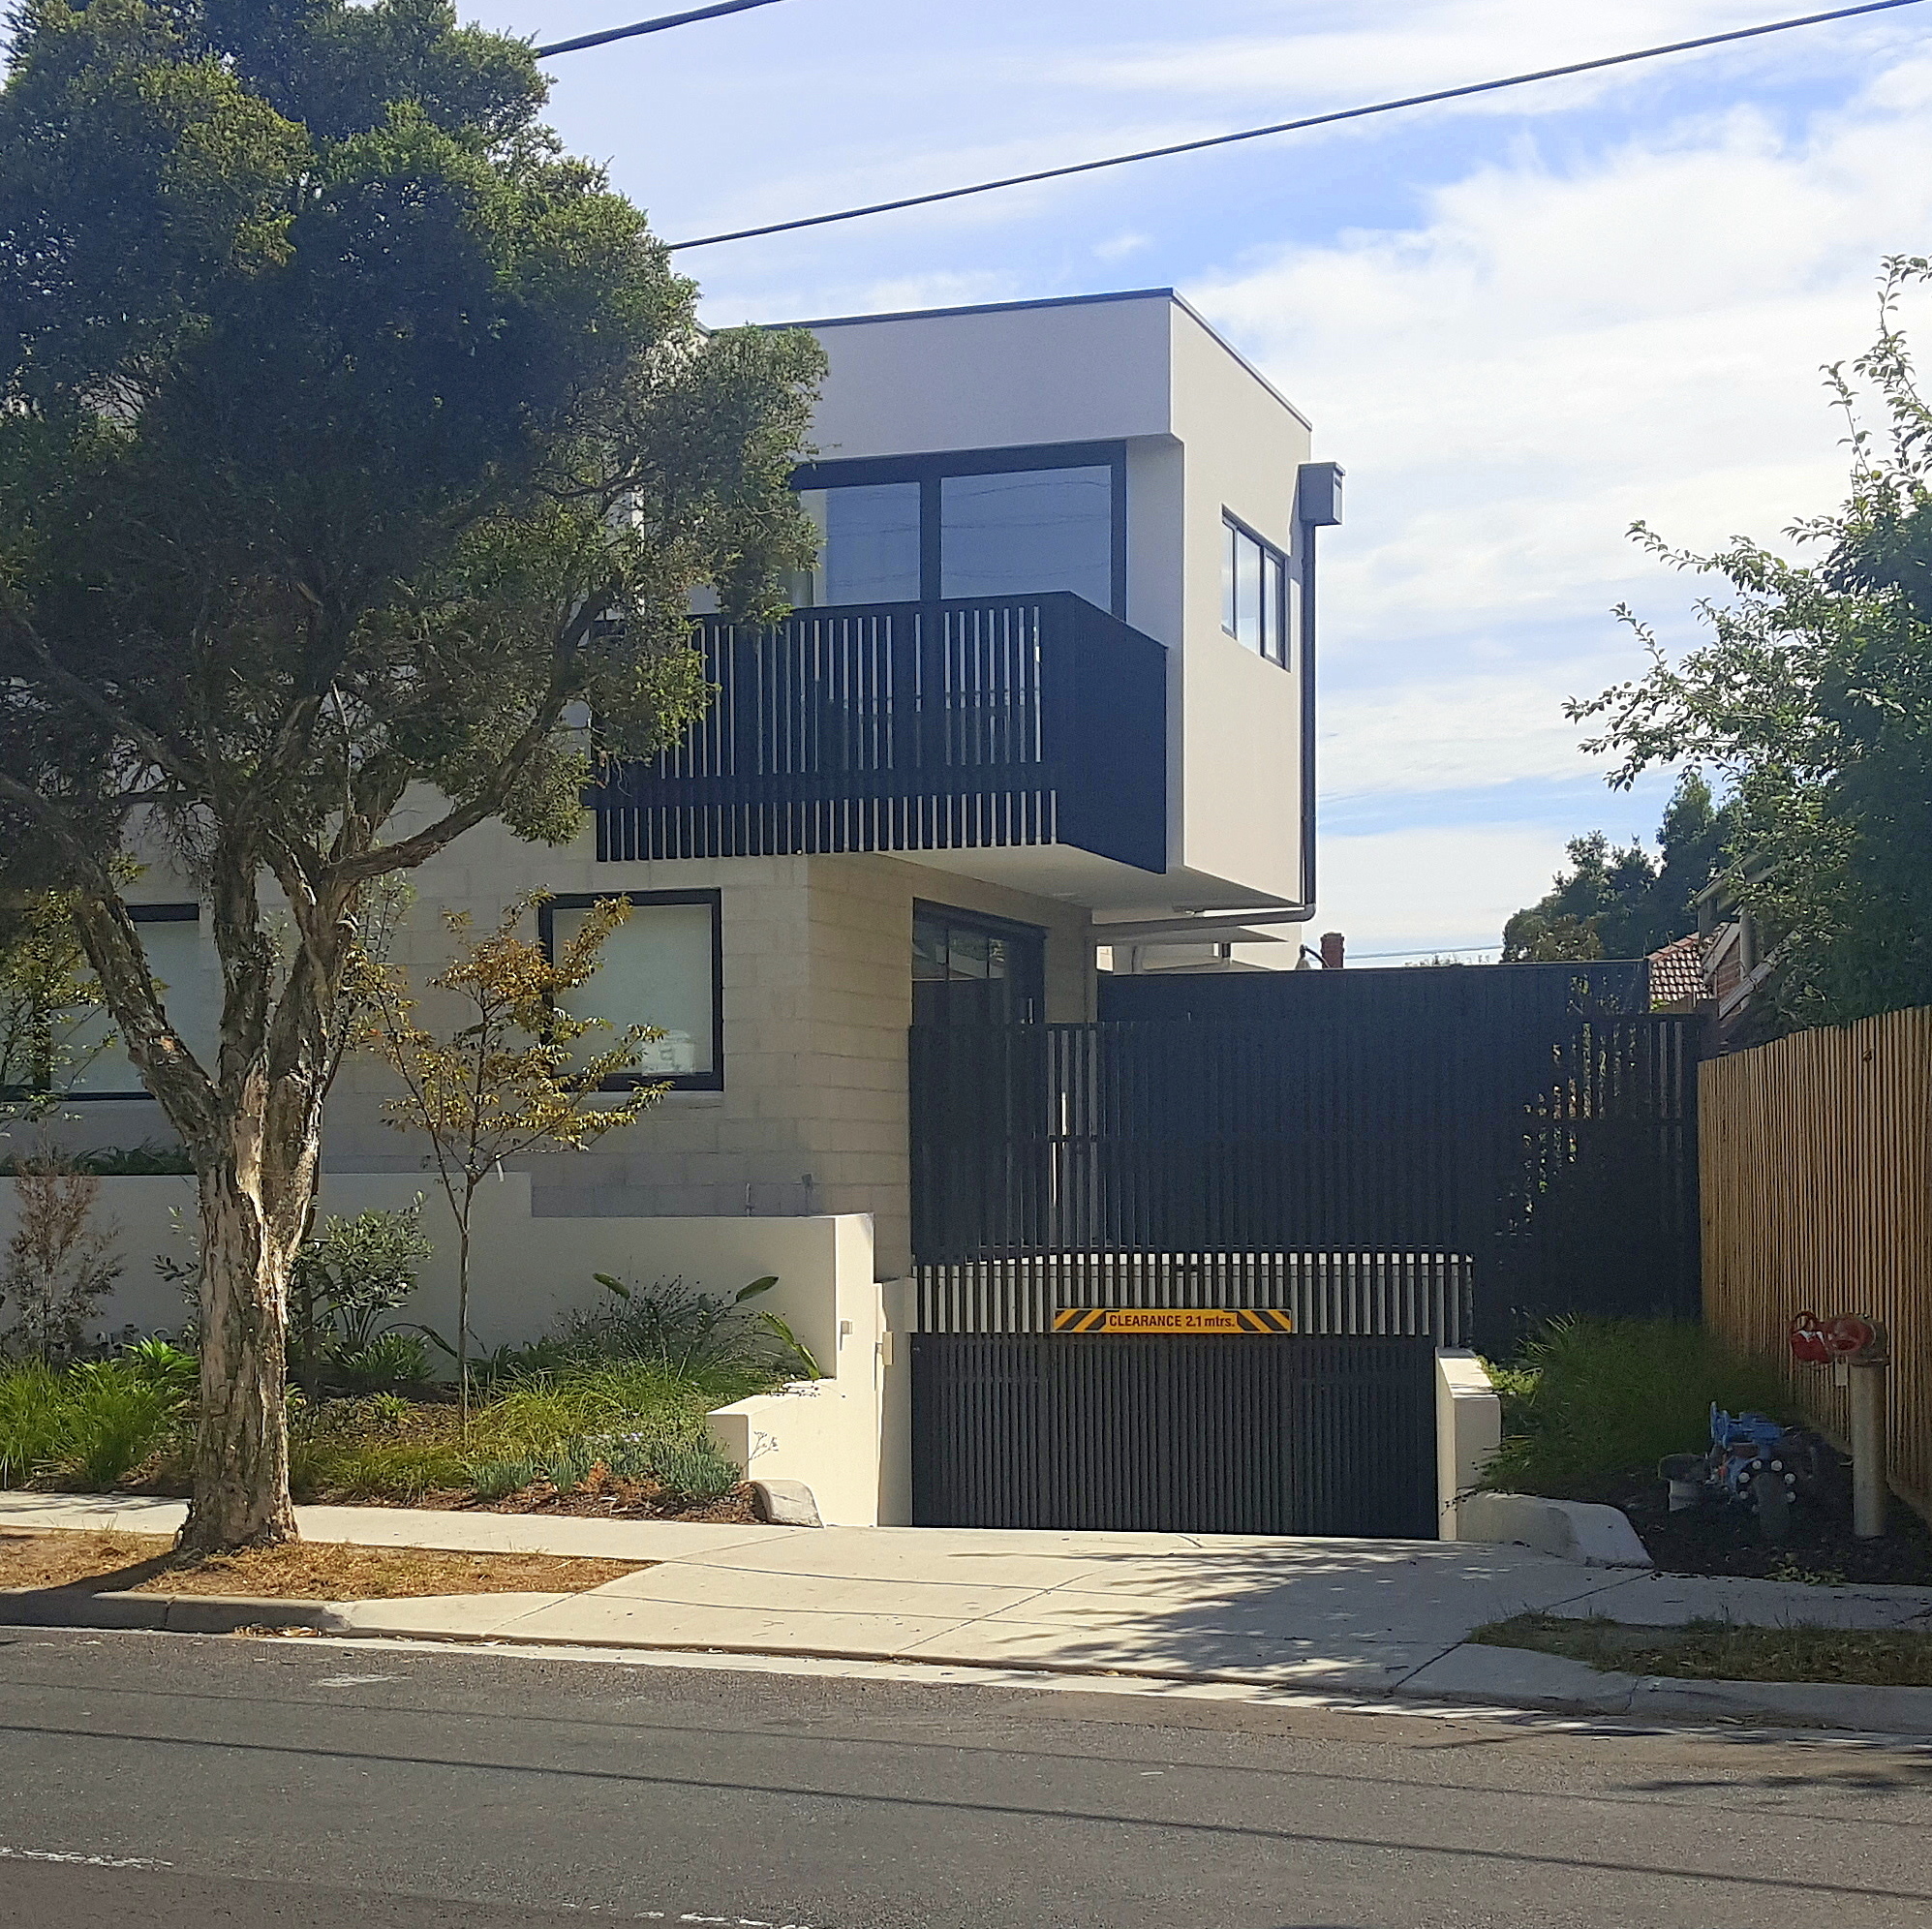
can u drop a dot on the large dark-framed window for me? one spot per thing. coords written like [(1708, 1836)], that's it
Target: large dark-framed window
[(190, 976), (1257, 592), (662, 967), (971, 523), (969, 969)]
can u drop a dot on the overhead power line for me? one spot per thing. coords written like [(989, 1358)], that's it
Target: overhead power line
[(655, 26), (1292, 126)]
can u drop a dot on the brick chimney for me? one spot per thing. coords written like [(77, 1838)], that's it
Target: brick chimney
[(1332, 945)]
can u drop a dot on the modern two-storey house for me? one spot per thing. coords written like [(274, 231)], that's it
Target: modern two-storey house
[(1046, 702)]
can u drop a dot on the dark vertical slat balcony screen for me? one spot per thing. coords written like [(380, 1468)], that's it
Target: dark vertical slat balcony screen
[(911, 726)]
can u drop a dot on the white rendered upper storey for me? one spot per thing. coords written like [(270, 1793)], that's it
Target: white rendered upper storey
[(974, 470)]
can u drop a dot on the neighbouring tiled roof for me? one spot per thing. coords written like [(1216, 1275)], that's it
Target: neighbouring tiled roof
[(1676, 972)]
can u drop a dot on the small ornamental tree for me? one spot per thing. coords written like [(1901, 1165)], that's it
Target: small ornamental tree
[(352, 436), (513, 1074), (48, 999)]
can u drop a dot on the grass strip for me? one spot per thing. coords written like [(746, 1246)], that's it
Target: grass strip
[(300, 1571), (1726, 1650)]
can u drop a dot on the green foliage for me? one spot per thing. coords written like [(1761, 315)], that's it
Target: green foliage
[(389, 1361), (88, 1426), (1813, 697), (1724, 1650), (47, 1000), (150, 1159), (352, 437), (1590, 1406), (1623, 903), (639, 1420), (684, 1330), (510, 1077), (349, 1274), (59, 1263), (497, 1480)]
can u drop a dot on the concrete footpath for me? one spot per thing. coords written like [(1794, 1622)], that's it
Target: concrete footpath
[(1350, 1618)]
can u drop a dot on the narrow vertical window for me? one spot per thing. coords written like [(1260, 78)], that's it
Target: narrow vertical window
[(1256, 593)]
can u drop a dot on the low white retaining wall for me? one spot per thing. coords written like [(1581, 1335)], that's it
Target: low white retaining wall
[(828, 1433), (1468, 1430), (527, 1271)]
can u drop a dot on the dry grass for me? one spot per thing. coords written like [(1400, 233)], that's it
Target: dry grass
[(1724, 1651), (303, 1571)]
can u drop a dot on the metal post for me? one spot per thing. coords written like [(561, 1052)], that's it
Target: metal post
[(1868, 1450)]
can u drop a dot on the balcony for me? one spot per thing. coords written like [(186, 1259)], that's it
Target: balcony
[(957, 725)]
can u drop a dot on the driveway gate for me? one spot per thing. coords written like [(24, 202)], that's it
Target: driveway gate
[(1392, 1161), (1194, 1433)]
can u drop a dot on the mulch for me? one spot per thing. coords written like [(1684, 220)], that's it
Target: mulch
[(1820, 1546)]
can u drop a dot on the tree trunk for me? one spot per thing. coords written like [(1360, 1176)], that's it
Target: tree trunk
[(241, 1451), (463, 1311)]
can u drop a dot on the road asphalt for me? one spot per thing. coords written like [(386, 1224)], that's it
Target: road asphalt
[(175, 1782)]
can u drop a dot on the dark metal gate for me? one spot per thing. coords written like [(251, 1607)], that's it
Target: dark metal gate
[(1396, 1161), (1523, 1135), (1193, 1434)]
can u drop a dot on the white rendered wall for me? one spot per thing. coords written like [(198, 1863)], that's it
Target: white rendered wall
[(999, 378), (1239, 774), (1204, 433)]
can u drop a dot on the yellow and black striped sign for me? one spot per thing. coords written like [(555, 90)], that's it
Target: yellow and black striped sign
[(1171, 1319)]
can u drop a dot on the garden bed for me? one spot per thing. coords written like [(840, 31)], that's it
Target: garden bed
[(1724, 1651), (302, 1571), (1819, 1546)]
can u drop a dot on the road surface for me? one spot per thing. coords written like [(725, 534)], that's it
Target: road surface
[(167, 1782)]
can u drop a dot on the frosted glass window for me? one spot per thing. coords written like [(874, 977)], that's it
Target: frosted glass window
[(1026, 532), (658, 970), (868, 543), (185, 965)]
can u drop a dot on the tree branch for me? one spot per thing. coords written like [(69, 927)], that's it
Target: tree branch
[(101, 709), (490, 796)]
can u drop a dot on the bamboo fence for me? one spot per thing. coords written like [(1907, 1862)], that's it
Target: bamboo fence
[(1815, 1157)]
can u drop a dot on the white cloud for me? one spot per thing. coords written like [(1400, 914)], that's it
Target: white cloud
[(1351, 52), (1430, 886), (1549, 353), (1448, 734)]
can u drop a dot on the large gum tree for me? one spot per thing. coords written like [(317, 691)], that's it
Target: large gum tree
[(356, 445)]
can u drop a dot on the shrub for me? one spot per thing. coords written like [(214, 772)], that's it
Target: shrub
[(389, 1361), (686, 1331), (150, 1159), (1590, 1406), (58, 1265), (117, 1418), (92, 1424), (695, 1470), (32, 1422), (495, 1480), (349, 1276)]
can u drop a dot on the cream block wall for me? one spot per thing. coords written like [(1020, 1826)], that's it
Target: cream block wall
[(817, 974), (818, 979)]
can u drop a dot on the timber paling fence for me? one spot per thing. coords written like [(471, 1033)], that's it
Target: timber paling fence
[(1451, 1153), (1816, 1155)]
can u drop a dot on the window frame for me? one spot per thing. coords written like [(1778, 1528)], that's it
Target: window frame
[(930, 471), (584, 900), (992, 925), (170, 914), (1233, 531)]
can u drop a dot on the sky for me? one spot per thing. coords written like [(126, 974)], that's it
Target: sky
[(1520, 323)]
